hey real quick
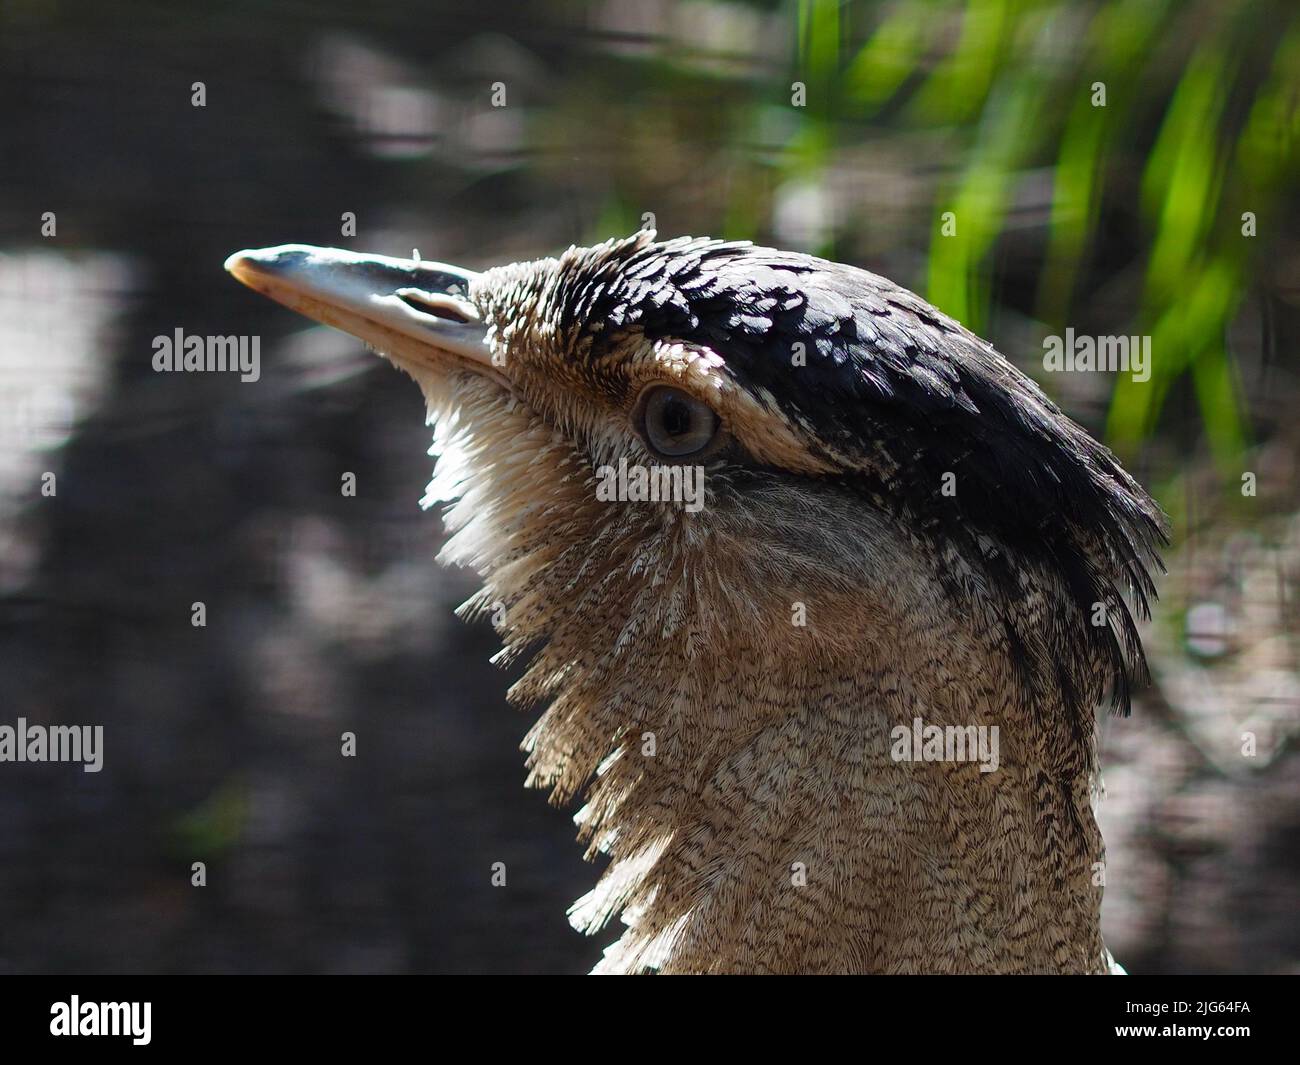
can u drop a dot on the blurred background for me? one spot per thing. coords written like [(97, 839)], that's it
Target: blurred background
[(1119, 168)]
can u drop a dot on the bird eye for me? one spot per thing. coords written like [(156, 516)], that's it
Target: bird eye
[(675, 423)]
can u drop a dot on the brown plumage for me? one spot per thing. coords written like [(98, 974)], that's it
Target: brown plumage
[(896, 525)]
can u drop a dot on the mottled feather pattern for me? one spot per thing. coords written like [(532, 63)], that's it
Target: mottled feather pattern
[(772, 741), (904, 392)]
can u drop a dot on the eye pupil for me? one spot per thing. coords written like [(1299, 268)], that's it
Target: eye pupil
[(677, 418), (674, 423)]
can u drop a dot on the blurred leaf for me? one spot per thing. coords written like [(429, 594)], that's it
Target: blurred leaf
[(1184, 174), (216, 824), (959, 86), (889, 58), (1121, 35), (958, 282)]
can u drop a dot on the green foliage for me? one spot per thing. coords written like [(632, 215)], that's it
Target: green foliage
[(216, 824)]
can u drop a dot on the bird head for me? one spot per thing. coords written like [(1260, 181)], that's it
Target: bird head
[(748, 511), (877, 489)]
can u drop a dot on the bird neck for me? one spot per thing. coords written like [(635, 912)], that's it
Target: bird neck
[(786, 797), (815, 816), (749, 717)]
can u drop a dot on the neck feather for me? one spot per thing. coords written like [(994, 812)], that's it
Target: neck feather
[(731, 714)]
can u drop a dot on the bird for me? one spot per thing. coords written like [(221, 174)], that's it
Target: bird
[(898, 532)]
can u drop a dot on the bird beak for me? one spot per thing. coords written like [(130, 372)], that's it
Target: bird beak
[(416, 313)]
